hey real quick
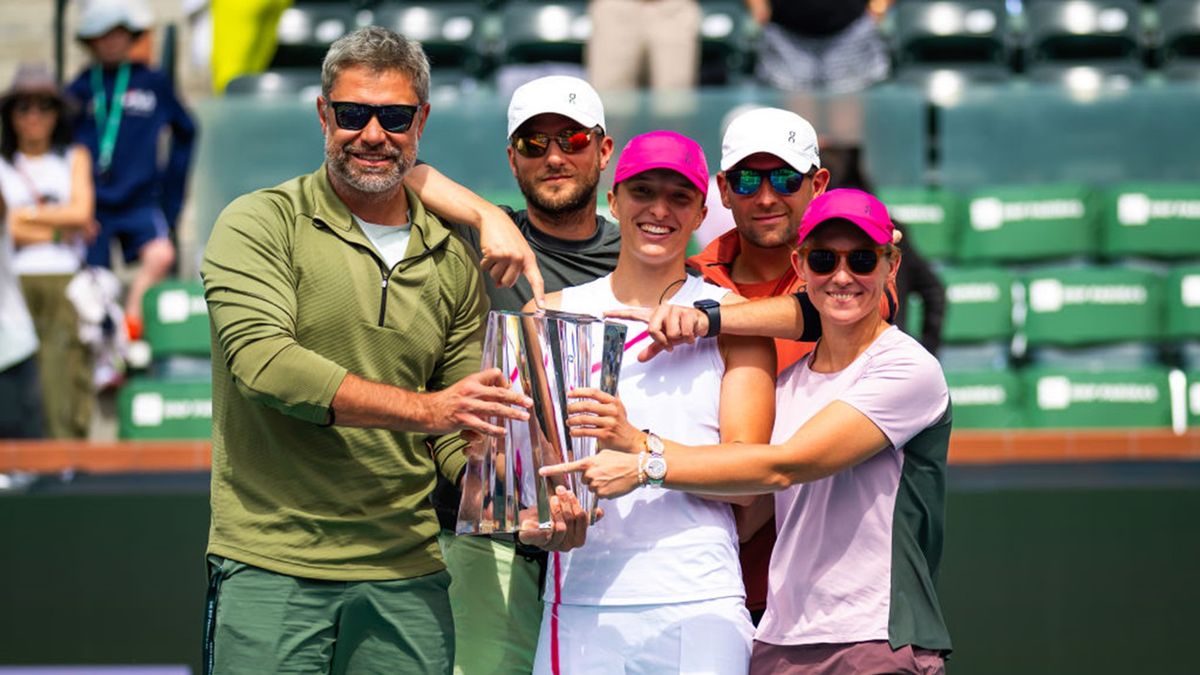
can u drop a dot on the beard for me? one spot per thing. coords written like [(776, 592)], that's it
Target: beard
[(773, 238), (578, 195), (372, 180)]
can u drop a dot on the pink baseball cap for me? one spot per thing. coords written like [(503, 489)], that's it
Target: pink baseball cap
[(664, 150), (856, 206)]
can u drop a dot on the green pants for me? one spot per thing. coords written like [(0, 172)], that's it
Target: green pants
[(497, 605), (64, 362), (262, 622)]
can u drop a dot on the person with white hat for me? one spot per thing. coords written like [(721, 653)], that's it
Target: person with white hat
[(557, 148), (770, 171), (127, 106)]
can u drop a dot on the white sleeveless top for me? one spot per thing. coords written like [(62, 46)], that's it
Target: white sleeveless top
[(51, 176), (654, 545)]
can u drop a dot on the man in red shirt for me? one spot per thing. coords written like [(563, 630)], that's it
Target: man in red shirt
[(770, 170)]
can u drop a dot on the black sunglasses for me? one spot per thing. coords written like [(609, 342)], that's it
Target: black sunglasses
[(396, 118), (24, 105), (745, 182), (861, 261), (571, 141)]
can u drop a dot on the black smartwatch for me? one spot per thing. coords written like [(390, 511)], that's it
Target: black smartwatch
[(711, 309)]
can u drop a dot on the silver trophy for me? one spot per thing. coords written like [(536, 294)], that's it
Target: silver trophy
[(545, 356)]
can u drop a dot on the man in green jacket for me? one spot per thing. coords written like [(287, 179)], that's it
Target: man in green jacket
[(347, 325)]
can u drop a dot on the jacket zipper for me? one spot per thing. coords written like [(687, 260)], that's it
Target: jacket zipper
[(386, 275)]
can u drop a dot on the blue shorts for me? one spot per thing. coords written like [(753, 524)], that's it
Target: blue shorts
[(134, 228)]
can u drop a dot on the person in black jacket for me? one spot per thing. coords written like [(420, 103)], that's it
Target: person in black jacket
[(915, 275)]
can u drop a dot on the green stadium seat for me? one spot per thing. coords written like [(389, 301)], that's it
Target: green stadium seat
[(304, 83), (1021, 224), (1027, 133), (176, 319), (1179, 22), (1157, 220), (1059, 398), (931, 218), (979, 304), (950, 32), (308, 28), (725, 42), (1082, 30), (1083, 306), (987, 400), (1183, 302), (156, 409), (449, 32), (544, 31)]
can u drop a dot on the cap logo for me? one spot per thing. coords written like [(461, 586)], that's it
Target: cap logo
[(791, 137), (571, 98)]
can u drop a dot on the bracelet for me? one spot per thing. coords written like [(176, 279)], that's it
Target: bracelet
[(641, 476)]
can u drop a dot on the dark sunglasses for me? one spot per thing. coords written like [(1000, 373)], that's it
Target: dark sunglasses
[(861, 261), (24, 105), (396, 118), (746, 182), (571, 141)]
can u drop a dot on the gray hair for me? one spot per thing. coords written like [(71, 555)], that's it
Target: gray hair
[(379, 50)]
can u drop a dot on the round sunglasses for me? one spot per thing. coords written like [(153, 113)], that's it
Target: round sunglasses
[(395, 118), (861, 261), (745, 182), (570, 141)]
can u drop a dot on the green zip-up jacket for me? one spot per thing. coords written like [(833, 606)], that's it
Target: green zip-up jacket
[(297, 297)]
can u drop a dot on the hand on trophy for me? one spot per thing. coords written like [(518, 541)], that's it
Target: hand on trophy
[(669, 326), (569, 524), (608, 473), (468, 403), (602, 416)]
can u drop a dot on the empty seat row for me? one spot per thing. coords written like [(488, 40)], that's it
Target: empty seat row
[(1014, 224)]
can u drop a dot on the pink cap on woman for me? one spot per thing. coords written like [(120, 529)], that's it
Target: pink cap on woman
[(664, 150), (856, 206)]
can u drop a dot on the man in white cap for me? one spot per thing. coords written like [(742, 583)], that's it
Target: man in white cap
[(127, 106), (770, 171), (557, 148)]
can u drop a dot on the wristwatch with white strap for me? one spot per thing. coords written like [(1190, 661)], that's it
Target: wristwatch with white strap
[(656, 464)]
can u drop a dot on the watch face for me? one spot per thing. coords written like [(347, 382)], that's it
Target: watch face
[(656, 468), (654, 443)]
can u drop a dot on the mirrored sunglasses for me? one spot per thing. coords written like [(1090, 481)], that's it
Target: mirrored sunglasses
[(745, 182), (536, 144)]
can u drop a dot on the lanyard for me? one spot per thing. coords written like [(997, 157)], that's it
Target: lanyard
[(108, 122)]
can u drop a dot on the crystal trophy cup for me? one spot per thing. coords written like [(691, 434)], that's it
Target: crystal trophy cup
[(545, 356)]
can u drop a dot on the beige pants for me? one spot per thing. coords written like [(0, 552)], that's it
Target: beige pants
[(629, 37), (64, 362)]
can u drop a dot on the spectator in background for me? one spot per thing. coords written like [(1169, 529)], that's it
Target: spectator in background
[(127, 107), (916, 275), (20, 395), (820, 44), (661, 37), (47, 184)]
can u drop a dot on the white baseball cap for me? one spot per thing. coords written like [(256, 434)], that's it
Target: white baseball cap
[(561, 94), (101, 16), (777, 132)]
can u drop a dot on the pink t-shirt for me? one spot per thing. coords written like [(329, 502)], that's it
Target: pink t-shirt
[(831, 577)]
